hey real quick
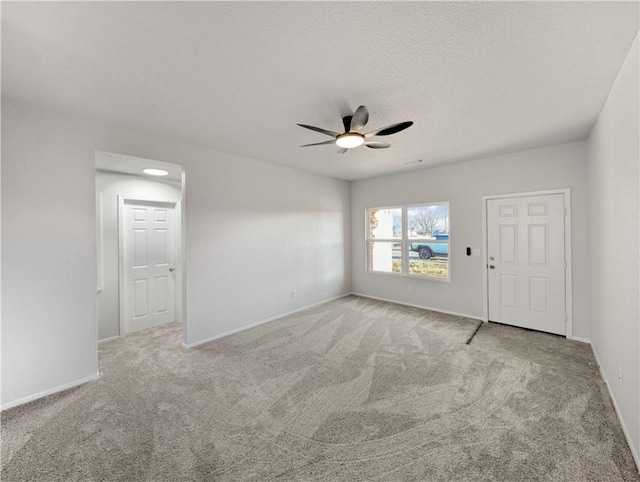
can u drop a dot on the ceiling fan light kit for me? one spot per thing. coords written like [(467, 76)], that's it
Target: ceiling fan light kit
[(351, 137), (349, 140)]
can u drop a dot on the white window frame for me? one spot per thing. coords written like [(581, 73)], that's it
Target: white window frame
[(404, 242), (400, 240)]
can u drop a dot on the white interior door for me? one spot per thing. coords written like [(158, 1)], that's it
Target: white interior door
[(526, 261), (149, 242)]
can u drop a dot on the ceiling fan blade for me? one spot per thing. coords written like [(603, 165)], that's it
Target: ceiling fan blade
[(342, 150), (346, 122), (319, 143), (320, 130), (377, 144), (360, 118), (388, 130)]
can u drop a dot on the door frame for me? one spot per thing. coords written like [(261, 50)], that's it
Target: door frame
[(179, 288), (568, 287)]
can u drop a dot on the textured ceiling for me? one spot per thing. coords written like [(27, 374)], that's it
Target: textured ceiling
[(108, 161), (476, 78)]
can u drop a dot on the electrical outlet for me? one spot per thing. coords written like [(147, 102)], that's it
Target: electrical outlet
[(410, 287)]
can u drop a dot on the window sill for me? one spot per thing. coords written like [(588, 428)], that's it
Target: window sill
[(410, 276)]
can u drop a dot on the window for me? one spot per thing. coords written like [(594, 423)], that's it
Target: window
[(409, 240)]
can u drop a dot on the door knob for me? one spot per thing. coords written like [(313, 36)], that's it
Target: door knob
[(172, 269), (491, 266)]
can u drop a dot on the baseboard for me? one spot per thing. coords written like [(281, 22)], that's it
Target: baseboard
[(106, 340), (579, 338), (437, 310), (632, 447), (261, 322), (45, 393)]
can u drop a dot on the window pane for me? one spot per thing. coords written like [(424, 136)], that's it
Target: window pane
[(428, 235), (428, 221), (385, 223), (386, 256), (436, 267)]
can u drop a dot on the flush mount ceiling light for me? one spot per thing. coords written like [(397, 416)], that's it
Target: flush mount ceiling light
[(155, 172), (351, 137)]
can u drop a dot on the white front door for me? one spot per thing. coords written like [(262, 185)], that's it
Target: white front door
[(526, 261), (148, 262)]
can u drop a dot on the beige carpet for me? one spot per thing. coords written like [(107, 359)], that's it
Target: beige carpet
[(352, 390)]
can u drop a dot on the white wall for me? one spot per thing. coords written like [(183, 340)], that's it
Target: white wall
[(48, 254), (265, 230), (255, 231), (111, 185), (614, 187), (463, 185)]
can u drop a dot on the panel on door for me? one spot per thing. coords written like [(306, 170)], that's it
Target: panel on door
[(508, 241), (163, 293), (140, 299), (149, 252), (139, 247), (526, 253), (161, 247), (508, 291)]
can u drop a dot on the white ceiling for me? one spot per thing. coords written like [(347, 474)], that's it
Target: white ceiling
[(476, 78), (109, 161)]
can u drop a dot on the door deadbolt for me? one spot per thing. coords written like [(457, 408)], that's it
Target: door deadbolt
[(172, 269)]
